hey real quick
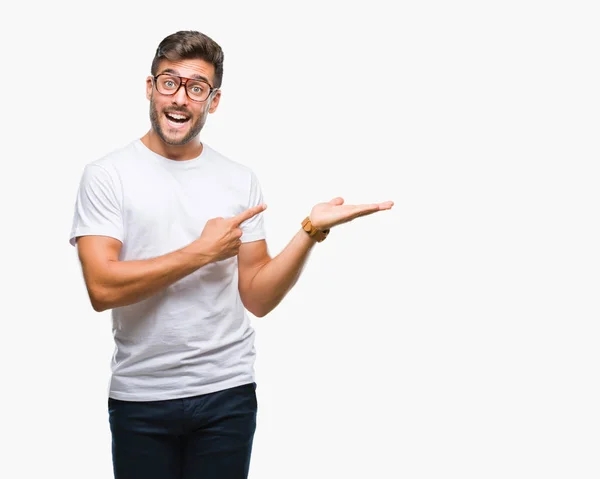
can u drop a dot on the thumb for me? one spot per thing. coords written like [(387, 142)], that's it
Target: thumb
[(337, 201)]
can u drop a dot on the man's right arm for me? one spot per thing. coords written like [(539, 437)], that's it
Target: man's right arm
[(112, 283)]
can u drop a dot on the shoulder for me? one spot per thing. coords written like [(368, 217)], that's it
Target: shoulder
[(116, 158), (115, 165), (108, 169)]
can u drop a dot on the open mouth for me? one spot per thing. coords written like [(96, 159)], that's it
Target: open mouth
[(177, 120)]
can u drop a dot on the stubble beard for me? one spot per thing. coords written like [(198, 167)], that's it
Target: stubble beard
[(192, 133)]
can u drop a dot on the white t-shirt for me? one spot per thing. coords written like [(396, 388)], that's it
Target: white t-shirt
[(194, 337)]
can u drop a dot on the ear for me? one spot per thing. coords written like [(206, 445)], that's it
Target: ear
[(214, 103), (149, 88)]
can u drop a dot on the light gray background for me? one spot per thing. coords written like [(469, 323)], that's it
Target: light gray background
[(454, 336)]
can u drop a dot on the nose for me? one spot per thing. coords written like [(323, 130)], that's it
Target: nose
[(180, 97)]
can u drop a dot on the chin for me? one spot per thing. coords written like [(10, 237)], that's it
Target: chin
[(179, 138), (175, 142)]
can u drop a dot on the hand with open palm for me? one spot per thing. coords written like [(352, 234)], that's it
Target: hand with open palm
[(326, 215)]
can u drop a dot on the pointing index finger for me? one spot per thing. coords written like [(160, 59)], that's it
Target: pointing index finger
[(249, 213)]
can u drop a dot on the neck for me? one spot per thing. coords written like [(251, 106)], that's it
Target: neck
[(190, 150)]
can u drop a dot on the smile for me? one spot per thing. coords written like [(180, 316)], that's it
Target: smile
[(176, 120)]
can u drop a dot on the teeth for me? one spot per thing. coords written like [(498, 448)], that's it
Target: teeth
[(177, 117)]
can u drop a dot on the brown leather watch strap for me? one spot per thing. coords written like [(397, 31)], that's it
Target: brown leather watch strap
[(318, 235)]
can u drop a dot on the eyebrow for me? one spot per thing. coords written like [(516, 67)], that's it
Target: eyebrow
[(194, 77)]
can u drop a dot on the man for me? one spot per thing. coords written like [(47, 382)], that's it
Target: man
[(171, 238)]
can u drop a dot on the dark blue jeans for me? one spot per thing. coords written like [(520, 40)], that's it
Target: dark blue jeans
[(200, 437)]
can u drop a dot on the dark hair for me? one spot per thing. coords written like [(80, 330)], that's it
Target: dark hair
[(187, 45)]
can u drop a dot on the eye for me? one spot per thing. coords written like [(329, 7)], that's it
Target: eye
[(167, 83)]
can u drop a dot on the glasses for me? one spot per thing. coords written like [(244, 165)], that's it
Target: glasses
[(169, 84)]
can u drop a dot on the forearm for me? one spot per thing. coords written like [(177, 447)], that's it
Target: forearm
[(277, 277), (128, 282)]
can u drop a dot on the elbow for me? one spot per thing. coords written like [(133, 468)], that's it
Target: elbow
[(99, 300), (260, 313), (262, 309), (256, 308), (99, 307)]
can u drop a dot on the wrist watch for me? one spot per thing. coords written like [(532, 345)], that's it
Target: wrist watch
[(318, 235)]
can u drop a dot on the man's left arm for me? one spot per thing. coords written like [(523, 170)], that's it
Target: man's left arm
[(265, 281)]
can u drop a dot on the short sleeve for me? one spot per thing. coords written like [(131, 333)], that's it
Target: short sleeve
[(254, 228), (97, 205)]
